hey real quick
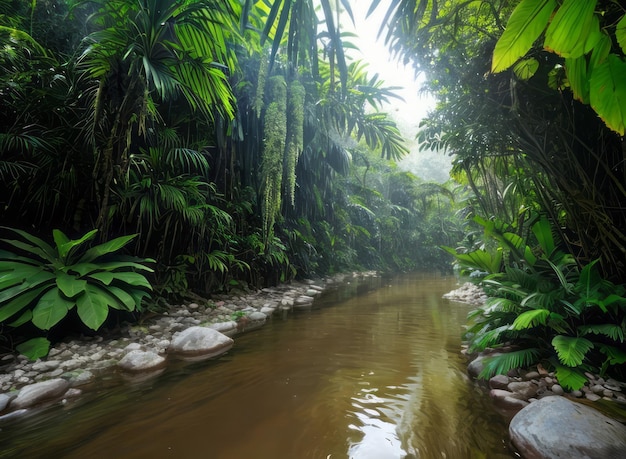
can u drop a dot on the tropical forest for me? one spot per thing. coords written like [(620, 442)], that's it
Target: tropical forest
[(157, 152)]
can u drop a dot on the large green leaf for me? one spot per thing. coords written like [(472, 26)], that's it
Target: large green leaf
[(124, 298), (29, 283), (571, 350), (108, 247), (134, 279), (543, 232), (18, 303), (525, 25), (607, 92), (45, 250), (51, 309), (71, 286), (65, 245), (576, 71), (620, 33), (568, 31), (92, 308), (34, 348)]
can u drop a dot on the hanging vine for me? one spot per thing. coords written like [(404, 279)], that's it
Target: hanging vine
[(260, 83), (274, 138), (295, 133)]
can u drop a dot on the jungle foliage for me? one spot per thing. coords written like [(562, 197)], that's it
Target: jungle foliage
[(531, 107), (221, 134)]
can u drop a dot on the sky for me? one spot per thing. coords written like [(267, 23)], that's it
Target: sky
[(408, 113)]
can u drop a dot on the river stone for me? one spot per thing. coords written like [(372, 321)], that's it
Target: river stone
[(4, 401), (555, 427), (138, 360), (35, 393), (303, 301), (523, 389), (200, 343), (499, 382), (226, 328)]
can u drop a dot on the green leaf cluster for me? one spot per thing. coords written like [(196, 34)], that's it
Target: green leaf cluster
[(41, 283), (582, 33), (543, 304)]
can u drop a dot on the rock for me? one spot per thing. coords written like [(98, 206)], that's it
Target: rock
[(79, 377), (592, 397), (303, 301), (44, 366), (523, 389), (557, 389), (499, 382), (555, 427), (531, 375), (4, 401), (141, 361), (200, 343), (39, 392), (477, 365), (226, 328)]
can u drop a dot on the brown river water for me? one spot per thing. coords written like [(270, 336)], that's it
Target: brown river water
[(372, 371)]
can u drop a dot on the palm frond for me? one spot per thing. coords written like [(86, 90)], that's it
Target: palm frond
[(500, 364)]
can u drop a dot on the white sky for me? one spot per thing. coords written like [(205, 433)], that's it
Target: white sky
[(409, 113)]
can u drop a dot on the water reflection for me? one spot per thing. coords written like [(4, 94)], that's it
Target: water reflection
[(374, 376)]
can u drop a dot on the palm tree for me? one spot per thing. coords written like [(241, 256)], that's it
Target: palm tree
[(150, 52)]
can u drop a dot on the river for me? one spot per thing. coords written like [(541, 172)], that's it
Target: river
[(372, 371)]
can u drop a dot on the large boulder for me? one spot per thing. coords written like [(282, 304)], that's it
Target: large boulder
[(39, 392), (555, 427), (197, 343)]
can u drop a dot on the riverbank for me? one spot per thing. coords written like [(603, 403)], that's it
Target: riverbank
[(547, 421), (192, 331)]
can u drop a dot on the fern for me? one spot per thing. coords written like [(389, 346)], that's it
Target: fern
[(571, 350), (502, 363)]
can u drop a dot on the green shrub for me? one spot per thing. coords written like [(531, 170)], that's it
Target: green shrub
[(548, 308), (41, 284)]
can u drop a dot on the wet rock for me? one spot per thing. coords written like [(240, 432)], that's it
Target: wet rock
[(4, 401), (592, 397), (523, 389), (39, 392), (46, 365), (200, 343), (303, 301), (13, 415), (227, 328), (557, 389), (531, 375), (79, 377), (499, 382), (138, 360), (555, 427)]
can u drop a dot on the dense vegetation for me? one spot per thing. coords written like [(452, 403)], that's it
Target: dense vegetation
[(243, 145), (532, 103), (204, 144)]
